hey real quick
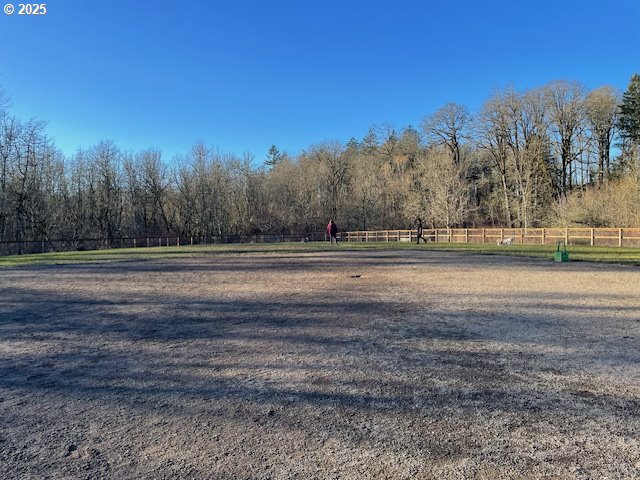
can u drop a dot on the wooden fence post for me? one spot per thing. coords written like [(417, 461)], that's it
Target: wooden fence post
[(592, 237), (501, 234), (543, 236), (436, 235), (483, 236), (466, 235), (566, 236), (620, 237)]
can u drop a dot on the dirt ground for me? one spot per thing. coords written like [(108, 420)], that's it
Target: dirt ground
[(329, 365)]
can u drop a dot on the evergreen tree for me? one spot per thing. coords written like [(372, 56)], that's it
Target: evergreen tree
[(273, 157), (369, 144), (629, 122), (352, 145)]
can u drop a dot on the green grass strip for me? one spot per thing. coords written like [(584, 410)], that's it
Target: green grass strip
[(627, 256)]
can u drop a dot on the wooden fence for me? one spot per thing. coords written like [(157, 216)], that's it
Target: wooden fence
[(609, 237), (605, 237), (66, 245)]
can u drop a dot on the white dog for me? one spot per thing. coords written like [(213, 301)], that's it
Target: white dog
[(506, 241)]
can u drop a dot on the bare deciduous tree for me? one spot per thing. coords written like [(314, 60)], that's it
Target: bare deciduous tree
[(492, 135), (334, 166), (449, 126), (446, 192), (565, 103), (601, 108), (108, 200)]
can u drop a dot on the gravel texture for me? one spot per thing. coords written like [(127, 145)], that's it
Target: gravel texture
[(332, 365)]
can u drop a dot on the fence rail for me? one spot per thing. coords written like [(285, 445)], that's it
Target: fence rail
[(65, 245), (609, 237)]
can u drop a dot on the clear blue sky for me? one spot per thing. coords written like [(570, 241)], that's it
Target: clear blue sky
[(243, 75)]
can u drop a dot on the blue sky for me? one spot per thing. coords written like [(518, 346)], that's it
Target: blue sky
[(244, 75)]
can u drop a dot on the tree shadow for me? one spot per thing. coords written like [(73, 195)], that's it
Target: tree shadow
[(322, 364)]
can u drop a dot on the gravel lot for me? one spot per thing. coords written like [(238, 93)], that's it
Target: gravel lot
[(336, 365)]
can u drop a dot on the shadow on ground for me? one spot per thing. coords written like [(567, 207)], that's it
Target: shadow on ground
[(400, 381)]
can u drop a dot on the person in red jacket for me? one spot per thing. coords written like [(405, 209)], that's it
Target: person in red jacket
[(332, 231)]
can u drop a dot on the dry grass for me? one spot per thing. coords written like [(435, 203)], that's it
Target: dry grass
[(428, 365)]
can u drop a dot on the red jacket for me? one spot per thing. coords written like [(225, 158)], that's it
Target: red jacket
[(332, 229)]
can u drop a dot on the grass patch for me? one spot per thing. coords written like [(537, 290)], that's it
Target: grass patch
[(580, 253), (629, 256), (144, 253)]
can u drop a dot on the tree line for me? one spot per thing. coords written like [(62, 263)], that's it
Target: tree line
[(557, 155)]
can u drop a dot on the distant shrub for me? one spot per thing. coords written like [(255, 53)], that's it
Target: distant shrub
[(616, 204)]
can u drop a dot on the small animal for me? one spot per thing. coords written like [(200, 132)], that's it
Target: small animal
[(506, 241)]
